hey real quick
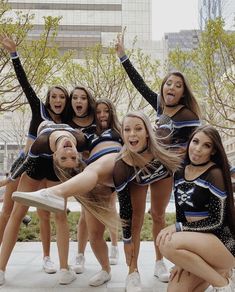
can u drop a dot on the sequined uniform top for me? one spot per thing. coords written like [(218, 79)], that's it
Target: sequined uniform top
[(41, 148), (123, 174), (90, 129), (203, 196), (40, 154), (181, 125)]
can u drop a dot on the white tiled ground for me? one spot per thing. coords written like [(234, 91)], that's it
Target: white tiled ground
[(24, 272)]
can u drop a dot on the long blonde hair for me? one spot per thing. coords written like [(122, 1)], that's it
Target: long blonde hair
[(171, 160), (97, 201)]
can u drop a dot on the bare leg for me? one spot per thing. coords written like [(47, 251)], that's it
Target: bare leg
[(87, 180), (82, 233), (7, 205), (113, 233), (138, 199), (62, 237), (45, 230), (187, 282), (98, 244), (62, 234), (13, 225), (192, 252), (160, 196)]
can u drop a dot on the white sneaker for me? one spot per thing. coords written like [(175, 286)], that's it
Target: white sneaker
[(161, 271), (66, 276), (48, 266), (100, 278), (233, 279), (2, 277), (113, 256), (79, 264), (227, 288), (42, 199), (133, 283)]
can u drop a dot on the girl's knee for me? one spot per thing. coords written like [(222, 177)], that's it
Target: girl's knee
[(94, 237), (61, 217), (158, 218), (167, 249)]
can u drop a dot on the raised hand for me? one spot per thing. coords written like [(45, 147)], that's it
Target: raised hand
[(119, 46), (8, 43)]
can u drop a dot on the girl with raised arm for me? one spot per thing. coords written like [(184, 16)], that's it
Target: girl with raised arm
[(177, 116)]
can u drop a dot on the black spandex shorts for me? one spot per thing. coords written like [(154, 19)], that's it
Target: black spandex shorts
[(43, 168)]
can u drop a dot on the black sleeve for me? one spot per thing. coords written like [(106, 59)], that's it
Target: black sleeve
[(41, 145), (140, 85), (28, 163), (217, 205), (185, 122), (125, 211), (82, 140), (121, 174), (19, 160), (30, 94)]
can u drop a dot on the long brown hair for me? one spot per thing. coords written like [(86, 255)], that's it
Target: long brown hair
[(90, 98), (65, 111), (221, 160), (113, 119), (188, 99)]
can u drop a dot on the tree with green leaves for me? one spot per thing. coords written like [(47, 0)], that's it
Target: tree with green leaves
[(101, 72), (40, 57), (211, 72)]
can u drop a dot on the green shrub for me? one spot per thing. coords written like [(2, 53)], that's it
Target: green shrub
[(32, 231)]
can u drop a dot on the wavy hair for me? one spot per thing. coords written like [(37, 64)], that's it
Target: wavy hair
[(97, 201), (221, 160), (171, 160)]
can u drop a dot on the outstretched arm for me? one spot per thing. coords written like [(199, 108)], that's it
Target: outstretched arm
[(9, 44), (133, 74)]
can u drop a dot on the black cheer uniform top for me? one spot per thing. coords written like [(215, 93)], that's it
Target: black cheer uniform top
[(203, 196), (123, 174), (180, 126)]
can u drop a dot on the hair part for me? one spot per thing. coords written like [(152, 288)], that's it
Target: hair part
[(90, 98)]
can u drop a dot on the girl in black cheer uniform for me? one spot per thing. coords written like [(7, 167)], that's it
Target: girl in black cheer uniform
[(177, 116), (202, 242), (64, 145), (140, 151), (82, 111), (55, 109), (106, 119)]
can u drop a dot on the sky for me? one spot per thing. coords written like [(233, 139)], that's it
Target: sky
[(173, 16)]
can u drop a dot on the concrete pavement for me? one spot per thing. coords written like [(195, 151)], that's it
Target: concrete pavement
[(24, 272)]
